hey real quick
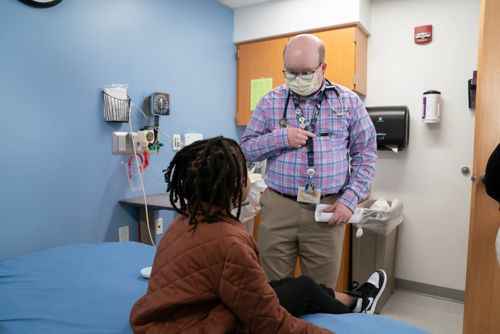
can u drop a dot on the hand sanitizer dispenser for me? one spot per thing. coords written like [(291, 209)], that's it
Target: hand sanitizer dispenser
[(431, 112)]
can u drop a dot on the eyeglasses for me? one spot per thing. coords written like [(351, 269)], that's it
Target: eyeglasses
[(290, 75)]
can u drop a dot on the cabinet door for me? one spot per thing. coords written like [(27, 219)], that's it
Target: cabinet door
[(346, 57), (257, 60)]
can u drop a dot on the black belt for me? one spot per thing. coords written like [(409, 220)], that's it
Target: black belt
[(294, 197)]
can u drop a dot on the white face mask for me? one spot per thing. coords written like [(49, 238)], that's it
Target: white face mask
[(305, 87)]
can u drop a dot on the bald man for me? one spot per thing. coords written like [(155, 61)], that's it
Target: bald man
[(320, 147)]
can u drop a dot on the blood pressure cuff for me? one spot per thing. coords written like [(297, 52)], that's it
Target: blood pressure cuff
[(492, 175)]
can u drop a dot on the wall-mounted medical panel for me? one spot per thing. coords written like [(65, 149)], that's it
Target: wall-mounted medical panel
[(392, 124)]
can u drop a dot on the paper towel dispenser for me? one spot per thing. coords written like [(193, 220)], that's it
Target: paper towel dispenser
[(392, 124)]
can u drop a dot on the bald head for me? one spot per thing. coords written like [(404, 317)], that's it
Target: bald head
[(304, 52)]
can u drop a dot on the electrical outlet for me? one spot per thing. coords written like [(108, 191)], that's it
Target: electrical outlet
[(176, 142), (190, 137), (123, 234), (158, 226)]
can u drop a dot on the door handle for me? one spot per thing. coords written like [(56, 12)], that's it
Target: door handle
[(473, 178)]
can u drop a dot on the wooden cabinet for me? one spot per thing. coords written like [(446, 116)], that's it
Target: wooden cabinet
[(257, 60), (345, 57), (344, 279)]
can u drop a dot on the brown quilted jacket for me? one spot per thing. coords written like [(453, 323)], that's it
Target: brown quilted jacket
[(210, 280)]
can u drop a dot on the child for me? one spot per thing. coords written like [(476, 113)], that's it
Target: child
[(207, 276)]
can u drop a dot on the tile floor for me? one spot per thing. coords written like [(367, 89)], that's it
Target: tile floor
[(438, 316)]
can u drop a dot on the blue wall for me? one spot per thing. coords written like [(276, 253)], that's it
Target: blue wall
[(59, 181)]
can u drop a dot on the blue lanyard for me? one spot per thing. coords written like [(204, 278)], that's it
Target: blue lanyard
[(311, 127)]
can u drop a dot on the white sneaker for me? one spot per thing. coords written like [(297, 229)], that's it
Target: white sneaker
[(369, 292)]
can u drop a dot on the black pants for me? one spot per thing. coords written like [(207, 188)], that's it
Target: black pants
[(301, 295)]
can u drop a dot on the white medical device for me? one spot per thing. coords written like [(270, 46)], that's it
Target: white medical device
[(361, 217)]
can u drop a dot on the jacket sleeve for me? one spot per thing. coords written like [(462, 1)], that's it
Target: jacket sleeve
[(245, 291)]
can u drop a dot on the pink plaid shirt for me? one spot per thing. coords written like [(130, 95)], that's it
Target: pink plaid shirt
[(345, 147)]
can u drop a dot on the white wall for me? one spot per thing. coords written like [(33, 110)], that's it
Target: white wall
[(365, 14), (432, 244), (276, 18)]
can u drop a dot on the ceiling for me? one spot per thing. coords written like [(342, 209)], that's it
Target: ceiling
[(240, 3)]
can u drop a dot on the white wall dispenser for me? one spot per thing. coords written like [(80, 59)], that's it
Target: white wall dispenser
[(431, 112)]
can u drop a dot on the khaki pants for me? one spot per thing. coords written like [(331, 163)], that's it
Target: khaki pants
[(288, 230)]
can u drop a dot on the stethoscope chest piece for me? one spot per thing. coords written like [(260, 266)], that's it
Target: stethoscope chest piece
[(298, 111), (283, 123)]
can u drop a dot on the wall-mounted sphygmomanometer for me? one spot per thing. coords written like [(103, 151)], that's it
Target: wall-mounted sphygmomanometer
[(161, 104), (158, 104)]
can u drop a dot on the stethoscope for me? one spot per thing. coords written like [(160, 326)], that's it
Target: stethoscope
[(329, 86)]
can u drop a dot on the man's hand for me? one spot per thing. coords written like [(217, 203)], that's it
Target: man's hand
[(298, 137), (341, 215)]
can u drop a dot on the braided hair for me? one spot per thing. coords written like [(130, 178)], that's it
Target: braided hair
[(207, 179)]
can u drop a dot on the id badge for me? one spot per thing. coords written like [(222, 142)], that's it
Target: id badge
[(304, 197)]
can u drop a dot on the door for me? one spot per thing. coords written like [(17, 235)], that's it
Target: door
[(482, 290)]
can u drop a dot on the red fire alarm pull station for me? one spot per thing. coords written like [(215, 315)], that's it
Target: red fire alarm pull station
[(423, 34)]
